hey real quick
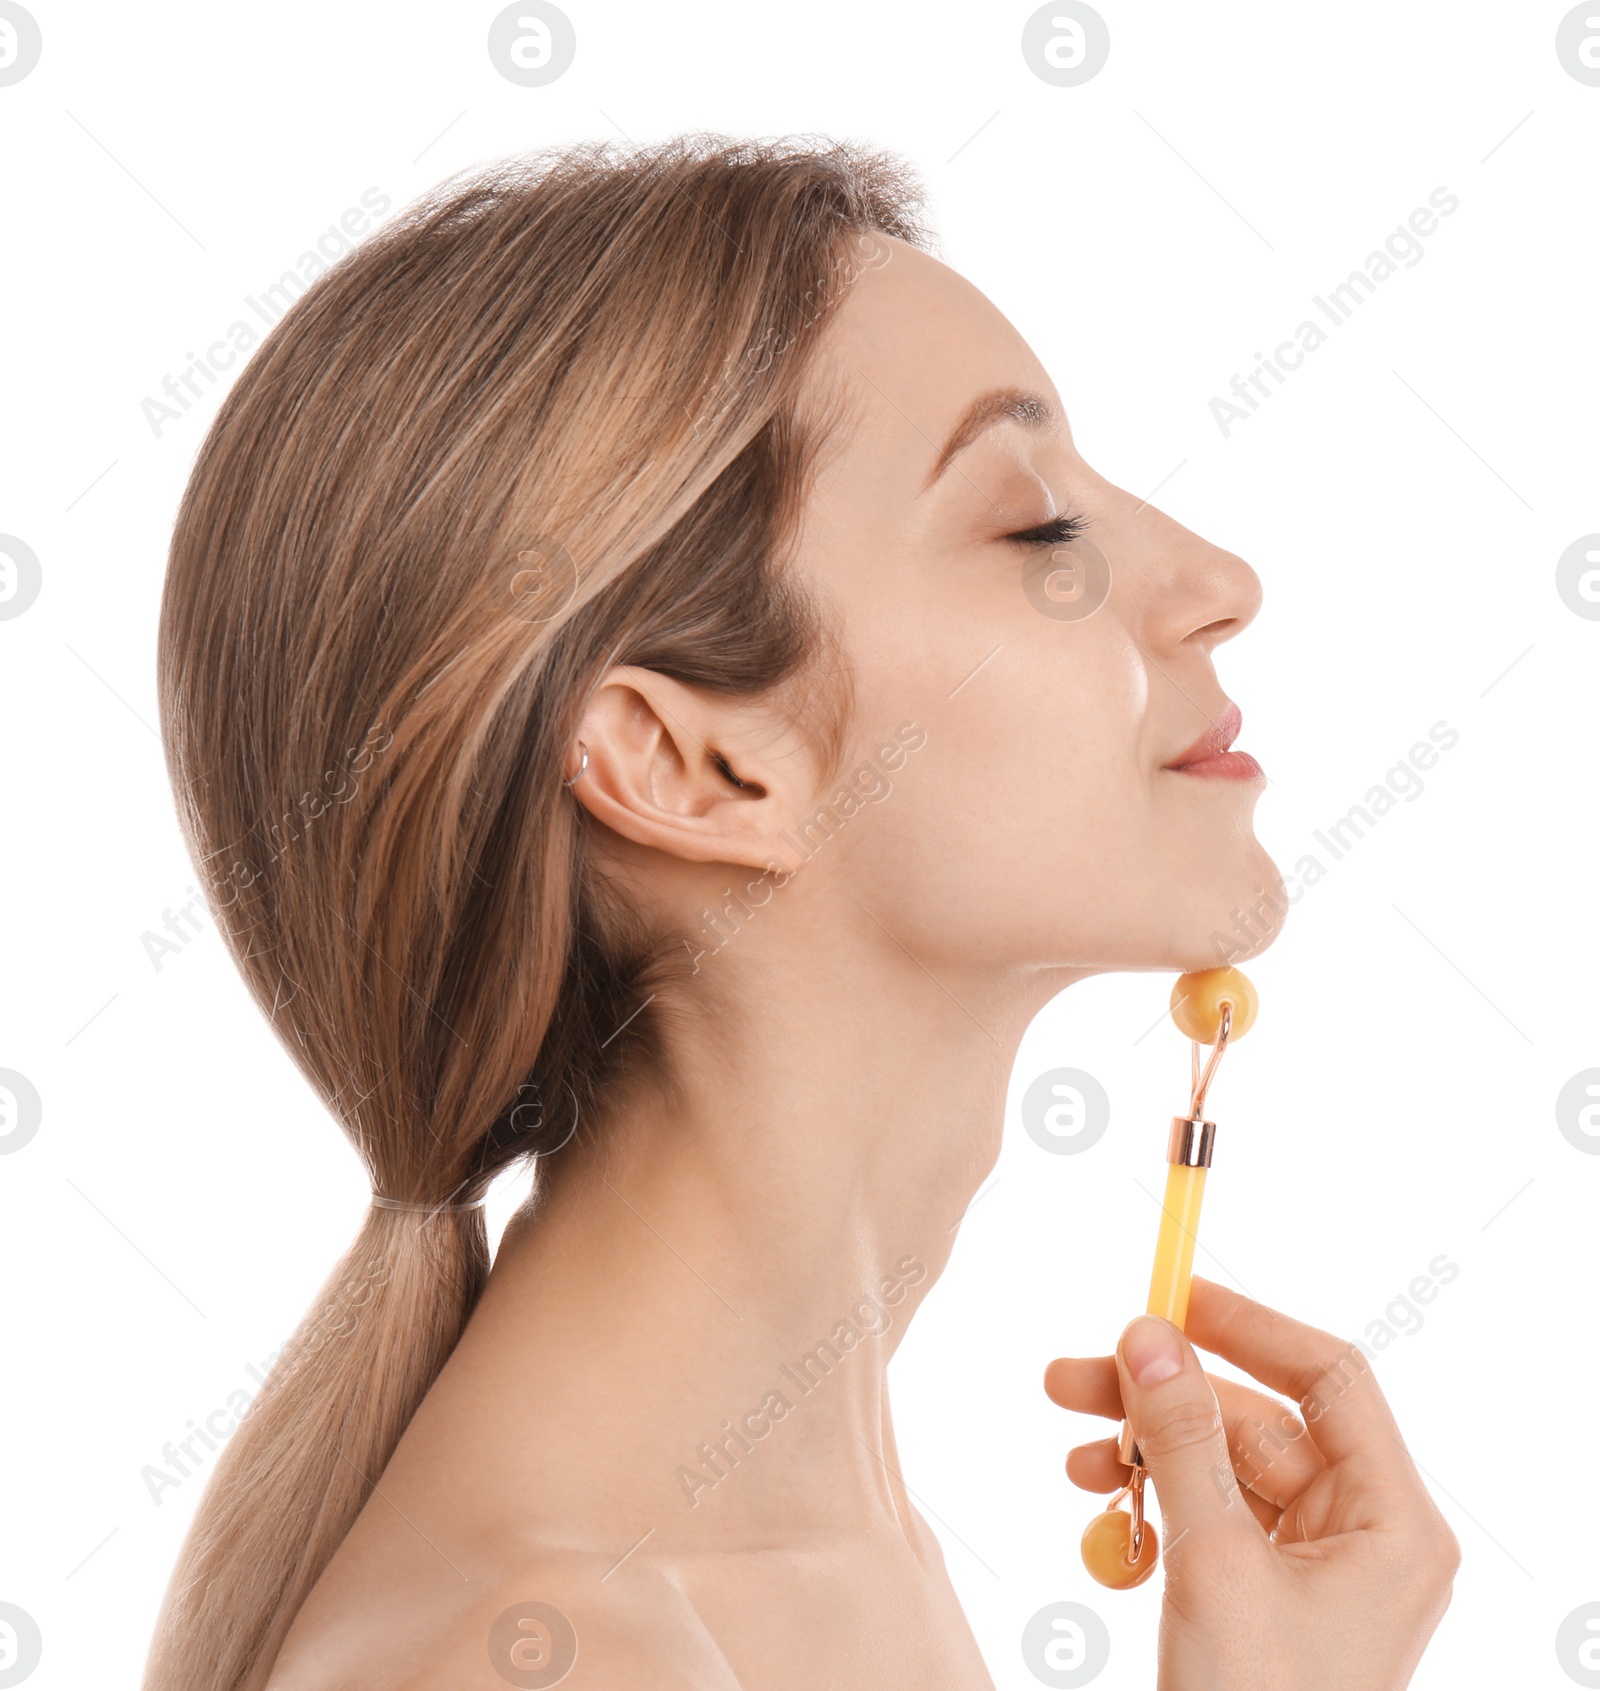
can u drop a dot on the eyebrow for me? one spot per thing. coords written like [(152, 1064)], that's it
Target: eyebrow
[(1001, 405)]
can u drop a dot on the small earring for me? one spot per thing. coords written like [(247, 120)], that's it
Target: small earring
[(583, 765)]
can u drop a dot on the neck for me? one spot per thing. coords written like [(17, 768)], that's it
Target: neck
[(688, 1333)]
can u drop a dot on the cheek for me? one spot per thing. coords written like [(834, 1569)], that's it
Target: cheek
[(1031, 795), (1078, 794), (1074, 700)]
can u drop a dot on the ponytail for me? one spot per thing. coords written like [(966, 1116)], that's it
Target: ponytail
[(300, 1466)]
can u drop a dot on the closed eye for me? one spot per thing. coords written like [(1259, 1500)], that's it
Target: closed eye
[(1059, 531)]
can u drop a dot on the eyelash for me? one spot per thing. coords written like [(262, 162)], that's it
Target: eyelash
[(1059, 531)]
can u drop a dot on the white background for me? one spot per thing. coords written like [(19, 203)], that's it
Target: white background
[(1404, 496)]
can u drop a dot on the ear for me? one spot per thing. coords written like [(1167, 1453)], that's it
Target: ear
[(687, 771)]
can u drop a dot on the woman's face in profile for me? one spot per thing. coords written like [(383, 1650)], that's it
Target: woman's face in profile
[(1041, 822)]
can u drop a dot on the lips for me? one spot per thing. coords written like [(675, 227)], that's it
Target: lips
[(1211, 754)]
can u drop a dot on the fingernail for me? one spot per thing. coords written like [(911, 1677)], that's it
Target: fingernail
[(1150, 1349)]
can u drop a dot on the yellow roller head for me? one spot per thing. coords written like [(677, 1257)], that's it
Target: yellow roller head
[(1197, 1001)]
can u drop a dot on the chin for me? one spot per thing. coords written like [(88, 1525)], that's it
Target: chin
[(1248, 918), (1234, 920)]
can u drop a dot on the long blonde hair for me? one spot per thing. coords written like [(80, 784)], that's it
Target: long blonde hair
[(544, 420)]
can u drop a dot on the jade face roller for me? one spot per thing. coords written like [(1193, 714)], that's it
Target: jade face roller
[(1211, 1006)]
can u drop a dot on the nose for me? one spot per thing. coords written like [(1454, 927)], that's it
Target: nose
[(1198, 594)]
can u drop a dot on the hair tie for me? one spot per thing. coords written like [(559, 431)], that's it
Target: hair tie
[(382, 1203)]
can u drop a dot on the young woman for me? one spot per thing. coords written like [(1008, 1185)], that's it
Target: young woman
[(627, 683)]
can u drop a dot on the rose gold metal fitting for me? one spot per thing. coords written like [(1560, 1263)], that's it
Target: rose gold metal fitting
[(1134, 1492), (1193, 1138), (1200, 1084)]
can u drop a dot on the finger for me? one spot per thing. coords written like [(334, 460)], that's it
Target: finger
[(1178, 1424), (1090, 1385), (1331, 1380), (1266, 1514), (1087, 1384), (1094, 1467), (1271, 1454)]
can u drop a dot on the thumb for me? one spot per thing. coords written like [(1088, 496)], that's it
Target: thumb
[(1173, 1411)]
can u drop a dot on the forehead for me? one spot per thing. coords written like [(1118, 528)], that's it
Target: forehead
[(909, 349)]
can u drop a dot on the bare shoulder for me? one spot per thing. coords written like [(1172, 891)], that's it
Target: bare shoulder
[(578, 1622), (789, 1617)]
